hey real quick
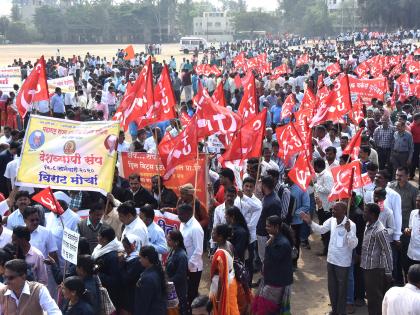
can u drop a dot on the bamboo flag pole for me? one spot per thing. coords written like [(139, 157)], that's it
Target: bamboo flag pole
[(350, 191), (158, 172), (196, 165)]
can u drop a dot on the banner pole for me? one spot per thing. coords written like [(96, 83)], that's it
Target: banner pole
[(158, 170), (196, 165)]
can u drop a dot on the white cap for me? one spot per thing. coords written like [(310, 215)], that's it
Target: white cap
[(59, 195)]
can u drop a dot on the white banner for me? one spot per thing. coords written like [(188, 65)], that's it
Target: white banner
[(8, 77), (65, 83), (70, 245)]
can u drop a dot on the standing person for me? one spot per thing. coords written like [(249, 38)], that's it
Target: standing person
[(271, 205), (414, 128), (301, 204), (402, 147), (240, 232), (130, 270), (413, 231), (383, 138), (105, 255), (77, 299), (132, 223), (340, 249), (193, 239), (29, 297), (5, 157), (5, 234), (376, 258), (156, 234), (177, 268), (150, 294), (406, 300), (273, 294), (22, 201), (35, 260), (138, 193), (165, 197), (89, 228), (57, 104), (386, 216), (177, 84), (85, 270)]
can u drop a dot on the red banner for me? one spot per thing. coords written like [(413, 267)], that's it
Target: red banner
[(148, 165), (368, 89)]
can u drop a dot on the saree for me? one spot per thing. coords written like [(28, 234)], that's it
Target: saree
[(271, 300), (223, 288)]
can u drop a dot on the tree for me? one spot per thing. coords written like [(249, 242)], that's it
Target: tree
[(15, 13), (253, 21), (50, 23), (4, 25)]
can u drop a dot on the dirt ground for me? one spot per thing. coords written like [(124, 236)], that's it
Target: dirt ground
[(309, 289)]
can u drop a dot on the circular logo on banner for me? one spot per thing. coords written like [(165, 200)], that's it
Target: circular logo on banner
[(69, 147), (111, 143), (36, 139)]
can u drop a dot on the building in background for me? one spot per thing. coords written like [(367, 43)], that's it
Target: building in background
[(214, 26)]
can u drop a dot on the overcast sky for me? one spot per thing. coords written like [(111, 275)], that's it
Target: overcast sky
[(268, 5)]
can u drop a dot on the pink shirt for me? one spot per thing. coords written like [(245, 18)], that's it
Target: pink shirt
[(35, 261), (103, 107)]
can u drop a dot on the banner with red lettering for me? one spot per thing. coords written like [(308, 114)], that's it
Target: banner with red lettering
[(367, 89), (147, 165)]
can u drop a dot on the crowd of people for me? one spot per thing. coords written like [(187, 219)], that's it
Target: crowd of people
[(254, 226)]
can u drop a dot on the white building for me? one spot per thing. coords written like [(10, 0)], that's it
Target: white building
[(340, 4), (214, 26)]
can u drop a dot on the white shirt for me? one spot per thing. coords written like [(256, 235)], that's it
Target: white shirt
[(251, 208), (341, 244), (5, 237), (4, 139), (157, 238), (193, 240), (11, 173), (402, 301), (15, 219), (393, 202), (387, 219), (271, 165), (137, 227), (150, 144), (219, 212), (46, 302), (43, 240), (414, 246), (69, 218), (123, 147), (323, 186)]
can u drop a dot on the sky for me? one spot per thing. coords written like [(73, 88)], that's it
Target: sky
[(267, 5)]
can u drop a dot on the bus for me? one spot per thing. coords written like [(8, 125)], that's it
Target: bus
[(190, 43)]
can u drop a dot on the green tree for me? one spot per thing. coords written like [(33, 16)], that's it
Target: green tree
[(15, 13), (4, 25), (250, 22), (50, 23)]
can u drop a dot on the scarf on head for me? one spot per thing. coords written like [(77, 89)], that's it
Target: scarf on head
[(100, 250)]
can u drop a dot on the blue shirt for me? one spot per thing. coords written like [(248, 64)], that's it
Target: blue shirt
[(157, 238), (272, 100), (302, 203), (57, 104), (276, 111)]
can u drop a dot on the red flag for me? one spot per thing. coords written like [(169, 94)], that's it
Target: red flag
[(362, 69), (214, 70), (357, 115), (320, 82), (413, 67), (333, 68), (129, 52), (289, 141), (288, 105), (309, 100), (185, 118), (238, 81), (353, 147), (334, 106), (218, 96), (180, 149), (302, 60), (301, 173), (376, 65), (212, 118), (247, 141), (248, 107), (144, 97), (279, 71), (33, 89), (369, 88), (239, 60), (343, 185), (163, 108), (46, 198)]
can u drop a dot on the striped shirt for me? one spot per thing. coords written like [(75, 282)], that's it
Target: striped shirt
[(376, 251)]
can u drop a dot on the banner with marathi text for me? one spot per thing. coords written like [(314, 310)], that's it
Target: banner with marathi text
[(148, 165), (8, 77), (65, 83), (70, 155)]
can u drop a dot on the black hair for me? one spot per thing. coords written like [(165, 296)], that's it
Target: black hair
[(83, 247), (63, 204), (273, 173), (98, 205), (231, 190), (108, 233), (4, 257), (283, 228), (127, 207), (21, 193), (86, 263), (18, 266), (228, 173), (365, 148), (385, 174), (22, 232), (250, 180), (268, 181), (239, 219), (372, 167), (403, 169), (29, 211), (223, 230), (134, 176), (414, 274), (319, 163), (185, 208), (373, 208), (152, 255), (176, 236), (148, 211), (76, 284), (380, 192), (331, 149)]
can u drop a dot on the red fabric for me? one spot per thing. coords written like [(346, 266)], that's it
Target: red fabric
[(302, 60), (11, 120), (289, 141), (248, 107), (333, 68), (218, 96), (301, 173), (353, 147), (415, 131), (287, 107), (309, 100), (46, 198), (3, 115)]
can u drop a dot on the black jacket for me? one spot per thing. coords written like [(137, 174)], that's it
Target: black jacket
[(149, 297), (130, 271), (143, 197), (177, 269), (278, 269), (240, 241), (80, 308), (110, 275), (271, 205)]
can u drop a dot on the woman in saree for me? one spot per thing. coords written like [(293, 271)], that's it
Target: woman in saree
[(273, 294), (223, 288)]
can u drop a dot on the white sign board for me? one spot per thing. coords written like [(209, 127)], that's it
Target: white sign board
[(70, 245), (8, 77)]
